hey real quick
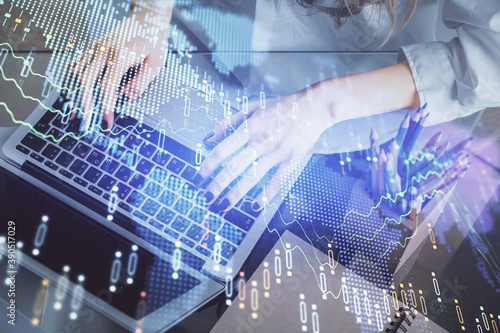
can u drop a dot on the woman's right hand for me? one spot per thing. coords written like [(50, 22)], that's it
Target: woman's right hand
[(140, 41)]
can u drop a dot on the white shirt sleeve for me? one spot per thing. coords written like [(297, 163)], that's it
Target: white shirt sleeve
[(462, 76)]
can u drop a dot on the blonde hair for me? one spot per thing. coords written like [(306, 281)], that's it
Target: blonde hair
[(351, 8)]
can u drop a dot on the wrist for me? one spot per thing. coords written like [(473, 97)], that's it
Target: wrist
[(369, 93)]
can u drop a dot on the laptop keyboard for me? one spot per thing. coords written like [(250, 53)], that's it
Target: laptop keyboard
[(151, 176)]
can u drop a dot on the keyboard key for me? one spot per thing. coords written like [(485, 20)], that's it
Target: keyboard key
[(78, 167), (102, 143), (51, 165), (203, 251), (73, 127), (23, 149), (106, 183), (60, 122), (198, 214), (180, 224), (93, 175), (66, 174), (173, 183), (42, 126), (54, 135), (95, 157), (125, 207), (171, 233), (210, 240), (116, 150), (188, 242), (153, 189), (175, 165), (124, 173), (123, 190), (34, 142), (68, 142), (81, 150), (130, 158), (65, 159), (188, 191), (150, 207), (188, 173), (118, 134), (138, 181), (232, 234), (125, 121), (89, 136), (94, 189), (37, 157), (136, 199), (227, 250), (159, 174), (182, 206), (144, 166), (51, 151), (165, 215), (214, 223), (199, 199), (147, 150), (80, 182), (239, 219), (247, 208), (195, 232), (133, 142), (140, 215), (156, 224), (110, 165), (161, 158), (167, 198)]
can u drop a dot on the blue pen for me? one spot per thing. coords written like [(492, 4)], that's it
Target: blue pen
[(403, 129), (414, 136)]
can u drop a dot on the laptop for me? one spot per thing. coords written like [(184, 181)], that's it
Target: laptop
[(137, 182)]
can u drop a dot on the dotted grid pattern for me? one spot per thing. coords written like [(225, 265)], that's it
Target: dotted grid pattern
[(332, 206), (162, 289)]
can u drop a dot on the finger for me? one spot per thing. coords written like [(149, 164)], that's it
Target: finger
[(220, 153), (89, 79), (145, 75), (273, 187), (111, 81), (80, 63), (234, 168), (251, 178), (228, 125)]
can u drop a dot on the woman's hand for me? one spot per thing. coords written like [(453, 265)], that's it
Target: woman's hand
[(140, 41), (279, 135)]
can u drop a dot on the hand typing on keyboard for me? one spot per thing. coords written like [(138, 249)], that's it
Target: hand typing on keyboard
[(139, 42), (278, 136)]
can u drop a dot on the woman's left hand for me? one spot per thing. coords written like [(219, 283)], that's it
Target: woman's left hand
[(279, 135)]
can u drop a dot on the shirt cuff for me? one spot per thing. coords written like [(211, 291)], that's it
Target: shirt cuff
[(434, 78)]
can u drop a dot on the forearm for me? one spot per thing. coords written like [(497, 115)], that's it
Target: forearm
[(369, 93)]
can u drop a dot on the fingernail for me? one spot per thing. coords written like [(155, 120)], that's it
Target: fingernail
[(208, 197), (211, 134), (224, 204), (197, 179), (256, 206)]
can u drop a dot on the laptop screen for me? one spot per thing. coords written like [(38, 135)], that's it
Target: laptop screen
[(105, 264)]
